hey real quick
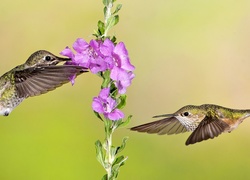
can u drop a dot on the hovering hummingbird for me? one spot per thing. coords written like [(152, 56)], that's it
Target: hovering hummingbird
[(38, 75), (205, 122)]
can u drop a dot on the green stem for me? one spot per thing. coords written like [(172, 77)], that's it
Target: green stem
[(107, 16), (109, 156)]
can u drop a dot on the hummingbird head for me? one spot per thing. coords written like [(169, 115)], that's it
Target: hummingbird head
[(191, 112), (43, 57), (189, 116)]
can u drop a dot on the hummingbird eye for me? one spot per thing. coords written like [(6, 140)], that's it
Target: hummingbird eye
[(185, 114), (47, 58)]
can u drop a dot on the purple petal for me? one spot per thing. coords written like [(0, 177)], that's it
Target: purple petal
[(97, 105), (116, 114), (110, 62), (121, 55), (67, 52), (104, 93), (107, 47), (72, 79), (80, 45), (111, 104), (97, 65), (82, 60), (95, 45), (122, 78), (114, 74)]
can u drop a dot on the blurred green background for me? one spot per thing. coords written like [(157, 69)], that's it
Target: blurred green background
[(185, 52)]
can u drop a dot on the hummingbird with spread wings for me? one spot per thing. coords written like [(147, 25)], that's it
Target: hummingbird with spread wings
[(205, 122), (38, 75)]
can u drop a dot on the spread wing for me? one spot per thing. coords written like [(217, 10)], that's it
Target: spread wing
[(169, 125), (38, 80), (207, 129)]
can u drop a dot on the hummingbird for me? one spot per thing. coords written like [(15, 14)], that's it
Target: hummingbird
[(205, 122), (38, 75)]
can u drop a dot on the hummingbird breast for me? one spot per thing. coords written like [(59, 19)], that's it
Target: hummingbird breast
[(189, 123), (9, 99)]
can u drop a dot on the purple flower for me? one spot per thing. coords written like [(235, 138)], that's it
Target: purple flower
[(122, 78), (100, 56), (106, 105), (97, 64), (80, 45), (120, 54), (107, 48), (68, 52)]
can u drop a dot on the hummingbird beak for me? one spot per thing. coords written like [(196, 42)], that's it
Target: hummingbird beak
[(164, 115), (64, 59), (59, 59)]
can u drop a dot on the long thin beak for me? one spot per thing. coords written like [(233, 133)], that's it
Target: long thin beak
[(58, 60), (63, 59), (164, 115)]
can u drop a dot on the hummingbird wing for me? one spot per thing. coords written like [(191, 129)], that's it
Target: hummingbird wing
[(207, 129), (169, 125), (38, 80)]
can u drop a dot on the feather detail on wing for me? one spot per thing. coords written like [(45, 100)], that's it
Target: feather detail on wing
[(168, 126), (39, 80), (207, 129)]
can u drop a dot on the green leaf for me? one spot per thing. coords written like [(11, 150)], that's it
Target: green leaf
[(117, 9), (124, 141), (99, 152), (105, 177), (105, 2), (106, 79), (105, 11), (114, 175), (112, 21), (108, 125), (113, 151), (98, 115), (113, 90), (122, 101), (101, 27), (126, 122), (117, 124), (118, 160), (113, 39), (106, 74)]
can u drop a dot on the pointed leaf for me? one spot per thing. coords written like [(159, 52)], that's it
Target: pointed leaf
[(126, 122), (112, 21), (106, 79), (122, 101), (98, 115), (105, 177), (123, 145), (105, 2), (99, 152), (118, 8), (101, 27), (113, 151), (113, 90), (113, 39), (117, 124), (118, 160), (105, 11)]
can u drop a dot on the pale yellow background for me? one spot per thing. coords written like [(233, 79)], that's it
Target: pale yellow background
[(185, 52)]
